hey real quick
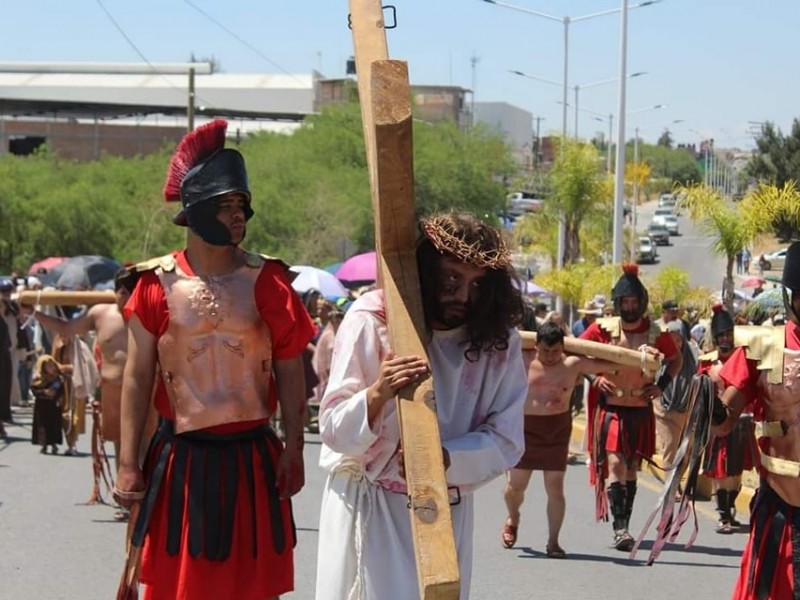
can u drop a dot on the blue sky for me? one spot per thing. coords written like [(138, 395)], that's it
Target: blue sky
[(717, 64)]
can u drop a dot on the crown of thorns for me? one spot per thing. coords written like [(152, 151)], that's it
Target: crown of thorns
[(445, 237)]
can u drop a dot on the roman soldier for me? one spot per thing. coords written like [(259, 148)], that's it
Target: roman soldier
[(727, 456), (227, 332), (764, 370), (622, 430)]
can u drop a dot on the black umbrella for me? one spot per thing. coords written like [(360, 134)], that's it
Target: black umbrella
[(82, 273)]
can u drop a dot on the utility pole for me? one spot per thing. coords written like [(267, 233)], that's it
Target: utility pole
[(537, 158), (190, 108), (474, 60)]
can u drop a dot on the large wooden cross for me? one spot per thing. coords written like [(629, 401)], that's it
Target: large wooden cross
[(385, 100)]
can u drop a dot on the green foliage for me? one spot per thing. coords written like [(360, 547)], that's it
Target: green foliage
[(731, 227), (674, 164), (665, 139), (310, 193), (778, 158), (670, 283), (580, 193)]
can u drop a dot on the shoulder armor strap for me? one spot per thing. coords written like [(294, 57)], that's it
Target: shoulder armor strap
[(166, 262), (611, 325), (711, 357), (255, 260), (765, 345)]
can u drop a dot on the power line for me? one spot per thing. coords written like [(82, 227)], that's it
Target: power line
[(242, 41), (141, 55)]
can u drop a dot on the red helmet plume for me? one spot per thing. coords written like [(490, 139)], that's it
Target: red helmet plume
[(195, 147), (630, 269)]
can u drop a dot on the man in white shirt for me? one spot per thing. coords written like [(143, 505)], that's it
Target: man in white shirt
[(471, 311)]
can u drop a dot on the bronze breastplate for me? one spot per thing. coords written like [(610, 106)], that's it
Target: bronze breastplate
[(216, 355), (630, 380)]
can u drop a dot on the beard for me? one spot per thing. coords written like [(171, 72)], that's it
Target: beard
[(725, 349), (452, 314), (629, 316)]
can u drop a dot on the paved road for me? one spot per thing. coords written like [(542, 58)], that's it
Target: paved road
[(52, 547), (690, 251)]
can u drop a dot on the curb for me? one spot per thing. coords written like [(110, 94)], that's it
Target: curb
[(704, 484)]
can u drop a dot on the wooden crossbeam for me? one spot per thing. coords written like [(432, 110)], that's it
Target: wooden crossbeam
[(386, 112), (611, 353), (65, 298)]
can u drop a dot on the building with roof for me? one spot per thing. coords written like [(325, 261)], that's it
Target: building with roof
[(82, 111)]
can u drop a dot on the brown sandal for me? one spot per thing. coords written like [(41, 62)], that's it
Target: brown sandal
[(509, 535), (555, 552)]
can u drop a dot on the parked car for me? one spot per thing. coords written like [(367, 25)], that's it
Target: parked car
[(774, 260), (659, 233), (647, 251), (671, 223), (520, 204)]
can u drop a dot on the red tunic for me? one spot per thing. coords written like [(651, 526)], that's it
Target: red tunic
[(241, 576), (729, 455), (645, 440), (743, 375)]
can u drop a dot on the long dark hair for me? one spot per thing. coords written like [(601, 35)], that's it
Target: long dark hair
[(499, 307)]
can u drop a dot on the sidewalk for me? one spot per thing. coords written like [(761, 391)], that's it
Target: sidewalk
[(749, 480)]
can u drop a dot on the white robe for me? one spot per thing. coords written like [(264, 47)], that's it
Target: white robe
[(365, 544)]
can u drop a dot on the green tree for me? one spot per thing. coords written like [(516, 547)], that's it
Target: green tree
[(665, 139), (580, 193), (777, 159), (310, 193), (731, 227)]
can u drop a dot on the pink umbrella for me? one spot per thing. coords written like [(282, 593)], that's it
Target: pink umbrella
[(753, 282), (47, 264), (361, 267)]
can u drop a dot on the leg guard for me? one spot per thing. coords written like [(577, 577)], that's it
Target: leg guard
[(724, 510), (617, 502), (630, 488), (732, 507)]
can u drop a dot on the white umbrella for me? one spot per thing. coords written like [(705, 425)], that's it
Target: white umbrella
[(312, 278)]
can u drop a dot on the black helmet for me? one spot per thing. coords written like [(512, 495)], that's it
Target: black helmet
[(629, 284), (200, 171), (721, 321)]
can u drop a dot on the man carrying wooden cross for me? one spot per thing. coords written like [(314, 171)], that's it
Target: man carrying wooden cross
[(622, 425), (471, 310)]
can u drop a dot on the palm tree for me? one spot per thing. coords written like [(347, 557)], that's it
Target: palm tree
[(732, 227), (580, 195), (777, 206)]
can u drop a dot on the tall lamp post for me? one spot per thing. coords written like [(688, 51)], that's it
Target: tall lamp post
[(566, 21), (576, 89)]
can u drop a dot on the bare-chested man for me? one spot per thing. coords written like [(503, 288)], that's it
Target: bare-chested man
[(112, 339), (548, 426)]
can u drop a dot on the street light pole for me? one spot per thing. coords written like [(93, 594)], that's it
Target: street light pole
[(566, 21), (619, 179)]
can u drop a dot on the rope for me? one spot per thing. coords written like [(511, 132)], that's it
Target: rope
[(362, 508)]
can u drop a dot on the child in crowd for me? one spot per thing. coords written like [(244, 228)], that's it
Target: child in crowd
[(48, 391)]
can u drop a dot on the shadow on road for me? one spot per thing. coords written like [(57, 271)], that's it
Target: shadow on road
[(528, 552)]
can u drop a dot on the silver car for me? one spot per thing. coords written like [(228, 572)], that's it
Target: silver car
[(671, 223)]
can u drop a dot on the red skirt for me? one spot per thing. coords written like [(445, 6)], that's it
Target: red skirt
[(767, 571), (191, 557), (732, 454), (626, 430)]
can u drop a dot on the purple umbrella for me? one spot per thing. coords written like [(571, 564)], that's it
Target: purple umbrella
[(361, 267)]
